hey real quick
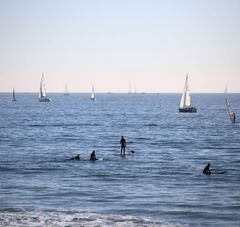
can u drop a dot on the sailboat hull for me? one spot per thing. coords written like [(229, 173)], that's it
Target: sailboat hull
[(44, 99), (188, 110)]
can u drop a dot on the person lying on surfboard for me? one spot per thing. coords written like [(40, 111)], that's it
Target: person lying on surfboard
[(93, 156), (76, 157), (207, 170)]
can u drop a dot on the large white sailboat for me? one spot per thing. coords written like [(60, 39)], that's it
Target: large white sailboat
[(185, 104), (93, 94), (42, 93), (14, 96)]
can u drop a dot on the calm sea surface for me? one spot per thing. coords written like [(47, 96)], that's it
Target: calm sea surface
[(161, 184)]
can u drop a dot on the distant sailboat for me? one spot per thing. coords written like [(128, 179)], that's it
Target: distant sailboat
[(66, 93), (185, 104), (130, 89), (93, 94), (226, 90), (14, 96), (42, 93), (231, 113), (135, 90)]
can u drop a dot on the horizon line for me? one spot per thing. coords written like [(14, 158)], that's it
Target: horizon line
[(116, 92)]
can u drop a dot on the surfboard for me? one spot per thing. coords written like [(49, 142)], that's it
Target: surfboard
[(222, 172)]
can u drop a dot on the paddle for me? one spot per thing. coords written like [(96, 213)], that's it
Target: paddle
[(130, 150)]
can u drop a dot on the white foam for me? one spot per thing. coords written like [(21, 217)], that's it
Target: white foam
[(42, 218)]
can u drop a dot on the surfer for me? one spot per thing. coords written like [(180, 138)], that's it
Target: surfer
[(123, 145), (207, 170), (76, 157), (93, 156)]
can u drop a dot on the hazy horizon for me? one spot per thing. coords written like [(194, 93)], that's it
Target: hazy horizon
[(149, 46)]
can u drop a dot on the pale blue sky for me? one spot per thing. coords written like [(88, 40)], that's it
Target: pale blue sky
[(150, 44)]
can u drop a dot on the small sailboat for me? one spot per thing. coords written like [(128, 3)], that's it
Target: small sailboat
[(14, 96), (231, 113), (130, 89), (42, 93), (93, 94), (66, 93), (135, 90), (185, 104)]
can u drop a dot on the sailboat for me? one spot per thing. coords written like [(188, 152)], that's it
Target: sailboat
[(66, 90), (93, 95), (185, 104), (231, 113), (130, 89), (13, 96), (42, 93)]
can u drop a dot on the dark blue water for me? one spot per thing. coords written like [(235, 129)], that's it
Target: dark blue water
[(160, 184)]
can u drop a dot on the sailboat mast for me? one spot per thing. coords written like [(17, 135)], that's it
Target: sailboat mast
[(188, 97)]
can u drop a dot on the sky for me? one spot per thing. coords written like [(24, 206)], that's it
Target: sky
[(149, 45)]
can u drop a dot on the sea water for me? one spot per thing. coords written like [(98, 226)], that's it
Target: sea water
[(158, 183)]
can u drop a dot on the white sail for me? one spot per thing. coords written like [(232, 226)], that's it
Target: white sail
[(42, 93), (93, 95), (231, 113), (226, 90), (130, 89), (186, 98), (66, 90)]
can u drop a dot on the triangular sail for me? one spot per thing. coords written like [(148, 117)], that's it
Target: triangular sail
[(42, 93), (231, 113), (93, 95), (66, 90), (226, 90), (186, 98)]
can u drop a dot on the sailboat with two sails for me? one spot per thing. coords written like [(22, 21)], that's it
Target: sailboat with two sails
[(185, 104), (42, 93)]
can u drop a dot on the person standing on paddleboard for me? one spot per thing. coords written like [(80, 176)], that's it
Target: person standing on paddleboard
[(123, 145)]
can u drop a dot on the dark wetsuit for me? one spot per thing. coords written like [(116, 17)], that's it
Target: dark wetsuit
[(123, 145), (77, 157), (93, 156), (207, 170)]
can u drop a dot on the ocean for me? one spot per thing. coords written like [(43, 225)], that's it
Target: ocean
[(158, 183)]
